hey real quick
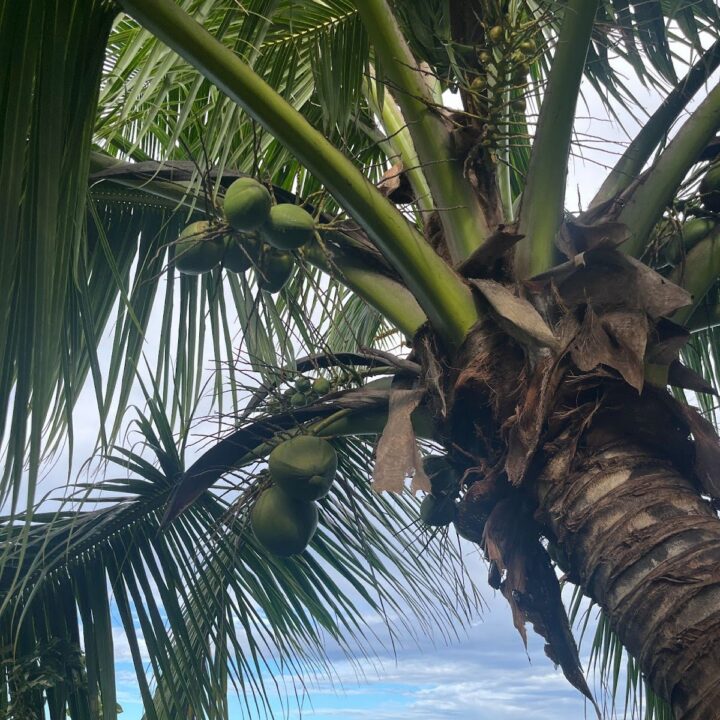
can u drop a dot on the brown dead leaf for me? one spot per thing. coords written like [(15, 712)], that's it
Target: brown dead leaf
[(494, 248), (616, 339), (504, 543), (660, 296), (610, 280), (517, 316), (669, 339), (529, 584), (577, 237), (682, 376), (395, 186), (397, 455)]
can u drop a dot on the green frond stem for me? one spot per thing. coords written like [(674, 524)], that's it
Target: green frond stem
[(630, 165), (391, 299), (462, 218), (698, 273), (441, 293), (543, 200), (346, 423), (645, 201), (400, 141), (503, 169), (172, 195), (372, 422)]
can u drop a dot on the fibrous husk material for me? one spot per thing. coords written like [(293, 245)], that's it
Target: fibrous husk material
[(397, 454)]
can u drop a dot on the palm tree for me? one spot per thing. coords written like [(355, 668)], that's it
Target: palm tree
[(542, 344)]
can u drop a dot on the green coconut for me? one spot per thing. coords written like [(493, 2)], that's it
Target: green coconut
[(321, 386), (304, 467), (496, 34), (198, 249), (274, 269), (437, 511), (241, 252), (247, 204), (283, 525), (298, 399), (302, 384), (288, 227), (710, 189)]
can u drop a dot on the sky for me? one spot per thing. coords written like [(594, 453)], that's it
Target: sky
[(484, 674)]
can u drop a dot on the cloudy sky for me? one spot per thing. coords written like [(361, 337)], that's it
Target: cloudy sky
[(486, 674)]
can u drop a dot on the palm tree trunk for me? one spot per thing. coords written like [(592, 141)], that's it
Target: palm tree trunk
[(645, 545)]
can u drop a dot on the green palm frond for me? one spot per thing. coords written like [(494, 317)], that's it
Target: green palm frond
[(202, 593)]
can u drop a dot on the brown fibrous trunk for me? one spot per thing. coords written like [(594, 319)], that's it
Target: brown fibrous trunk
[(644, 545)]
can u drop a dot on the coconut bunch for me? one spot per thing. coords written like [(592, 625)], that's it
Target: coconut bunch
[(305, 390), (285, 516), (257, 234), (503, 66)]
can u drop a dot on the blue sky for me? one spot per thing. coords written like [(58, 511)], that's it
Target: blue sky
[(485, 675)]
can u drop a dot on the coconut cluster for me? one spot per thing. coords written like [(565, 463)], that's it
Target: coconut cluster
[(257, 234), (285, 516), (503, 63)]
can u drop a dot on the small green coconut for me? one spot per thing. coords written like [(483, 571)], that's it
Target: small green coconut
[(288, 227), (304, 467), (302, 384), (274, 269), (199, 248), (437, 511), (496, 34), (247, 204), (298, 399), (241, 252), (321, 386), (283, 525)]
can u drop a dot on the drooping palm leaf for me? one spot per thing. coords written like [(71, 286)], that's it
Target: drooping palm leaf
[(202, 593)]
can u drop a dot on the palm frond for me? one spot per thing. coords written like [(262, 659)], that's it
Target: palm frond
[(202, 594)]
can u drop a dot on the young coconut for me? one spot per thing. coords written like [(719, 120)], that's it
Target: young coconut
[(241, 252), (288, 227), (304, 467), (274, 269), (247, 204), (198, 249), (283, 525), (321, 386)]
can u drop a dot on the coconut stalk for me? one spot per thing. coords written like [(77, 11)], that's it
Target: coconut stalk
[(645, 201), (446, 300), (400, 141), (543, 199), (630, 165), (391, 299), (698, 273), (462, 218)]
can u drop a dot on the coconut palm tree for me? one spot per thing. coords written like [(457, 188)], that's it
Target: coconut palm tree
[(446, 299)]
